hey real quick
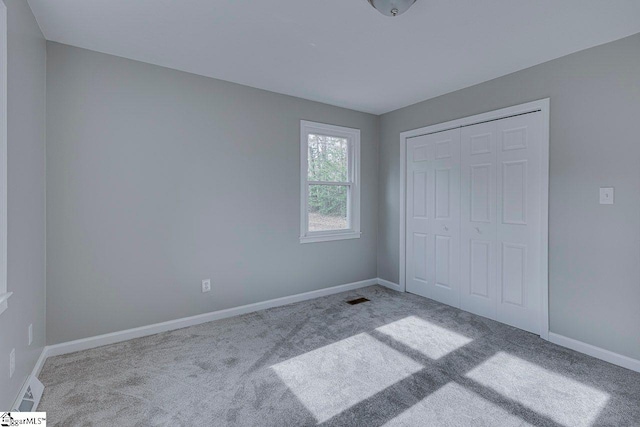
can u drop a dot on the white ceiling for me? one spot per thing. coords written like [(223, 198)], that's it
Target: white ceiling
[(340, 52)]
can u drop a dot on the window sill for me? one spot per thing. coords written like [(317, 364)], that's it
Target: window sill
[(330, 237), (3, 301)]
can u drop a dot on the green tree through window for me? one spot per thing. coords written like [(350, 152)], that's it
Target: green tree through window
[(328, 161)]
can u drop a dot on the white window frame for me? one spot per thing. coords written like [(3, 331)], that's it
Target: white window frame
[(4, 293), (353, 182)]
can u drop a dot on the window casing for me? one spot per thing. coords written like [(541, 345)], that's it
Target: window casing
[(330, 182)]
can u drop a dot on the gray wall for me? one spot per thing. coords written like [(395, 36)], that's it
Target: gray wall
[(157, 179), (26, 199), (594, 264)]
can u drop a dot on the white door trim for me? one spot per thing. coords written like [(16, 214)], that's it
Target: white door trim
[(530, 107)]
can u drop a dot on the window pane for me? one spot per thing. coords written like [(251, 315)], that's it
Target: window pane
[(327, 158), (328, 207)]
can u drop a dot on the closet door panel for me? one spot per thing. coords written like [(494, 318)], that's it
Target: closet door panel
[(518, 197), (433, 216), (446, 219), (478, 219), (419, 210)]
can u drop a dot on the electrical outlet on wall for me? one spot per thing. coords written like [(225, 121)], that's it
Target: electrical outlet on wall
[(206, 285), (606, 196), (30, 333), (12, 362)]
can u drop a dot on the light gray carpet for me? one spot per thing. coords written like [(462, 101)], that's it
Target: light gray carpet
[(397, 360)]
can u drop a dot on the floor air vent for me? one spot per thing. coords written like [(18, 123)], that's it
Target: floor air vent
[(30, 398), (357, 301)]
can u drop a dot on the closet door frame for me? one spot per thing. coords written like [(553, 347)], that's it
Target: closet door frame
[(542, 106)]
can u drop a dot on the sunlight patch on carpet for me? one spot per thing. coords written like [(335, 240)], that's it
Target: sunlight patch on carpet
[(425, 337), (546, 392), (454, 405), (331, 379)]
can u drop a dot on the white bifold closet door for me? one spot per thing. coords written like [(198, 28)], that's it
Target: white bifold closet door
[(501, 230), (473, 219), (433, 216)]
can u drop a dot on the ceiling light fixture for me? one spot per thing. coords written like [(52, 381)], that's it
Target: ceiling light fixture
[(392, 7)]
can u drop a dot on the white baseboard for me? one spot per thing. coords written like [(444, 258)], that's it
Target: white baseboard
[(114, 337), (597, 352), (389, 284), (40, 363)]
